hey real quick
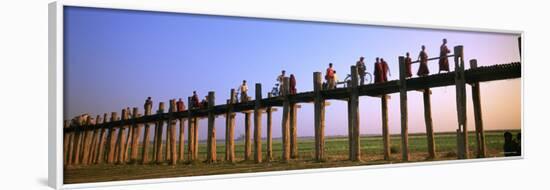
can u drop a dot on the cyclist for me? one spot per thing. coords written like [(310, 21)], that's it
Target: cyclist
[(361, 69)]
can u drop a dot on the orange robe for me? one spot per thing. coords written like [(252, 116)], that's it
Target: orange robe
[(443, 60), (423, 69), (378, 71), (408, 63)]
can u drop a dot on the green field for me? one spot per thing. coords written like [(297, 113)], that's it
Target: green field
[(336, 151)]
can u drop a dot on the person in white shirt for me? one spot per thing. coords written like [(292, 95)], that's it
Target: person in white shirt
[(280, 79), (244, 91)]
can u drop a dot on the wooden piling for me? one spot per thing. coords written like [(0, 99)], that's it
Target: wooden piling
[(135, 136), (211, 143), (293, 131), (230, 129), (476, 99), (102, 140), (95, 141), (160, 124), (172, 128), (460, 84), (78, 141), (112, 140), (354, 116), (319, 117), (129, 137), (181, 141), (269, 151), (122, 139), (286, 121), (87, 140), (429, 124), (403, 107), (258, 124), (385, 128), (247, 144), (190, 132), (146, 138), (66, 142), (196, 138)]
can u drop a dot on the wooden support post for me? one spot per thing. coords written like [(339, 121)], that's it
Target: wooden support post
[(319, 117), (190, 132), (429, 124), (293, 131), (354, 116), (160, 124), (112, 140), (269, 152), (86, 141), (168, 139), (196, 138), (247, 144), (181, 154), (146, 138), (476, 99), (77, 142), (404, 111), (102, 140), (385, 128), (95, 141), (66, 142), (462, 131), (172, 128), (135, 136), (258, 124), (128, 140), (286, 121), (122, 138), (211, 143), (230, 129)]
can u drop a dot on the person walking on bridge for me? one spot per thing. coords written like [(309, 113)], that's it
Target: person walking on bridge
[(378, 77), (361, 70), (408, 63), (280, 80), (244, 91), (195, 100), (292, 84), (180, 106), (385, 70), (148, 106), (423, 58), (443, 60), (330, 77)]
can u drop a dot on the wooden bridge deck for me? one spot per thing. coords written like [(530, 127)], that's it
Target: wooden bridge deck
[(480, 74)]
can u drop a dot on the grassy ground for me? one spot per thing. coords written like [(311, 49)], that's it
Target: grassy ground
[(336, 151)]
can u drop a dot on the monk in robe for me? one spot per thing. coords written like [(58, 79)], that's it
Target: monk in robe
[(378, 73), (385, 70), (423, 58), (292, 84), (443, 60), (408, 63)]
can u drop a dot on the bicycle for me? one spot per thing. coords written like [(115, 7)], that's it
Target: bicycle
[(368, 80), (275, 90)]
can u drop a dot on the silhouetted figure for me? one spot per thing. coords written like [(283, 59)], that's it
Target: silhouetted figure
[(204, 103), (423, 58), (408, 63), (510, 146), (361, 70), (330, 77), (180, 105), (148, 106), (244, 91), (292, 84), (378, 71), (385, 69), (443, 60), (195, 100), (280, 80)]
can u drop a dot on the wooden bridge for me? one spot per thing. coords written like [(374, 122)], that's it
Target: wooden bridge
[(92, 141)]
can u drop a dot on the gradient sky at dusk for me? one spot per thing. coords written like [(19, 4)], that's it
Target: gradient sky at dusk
[(116, 58)]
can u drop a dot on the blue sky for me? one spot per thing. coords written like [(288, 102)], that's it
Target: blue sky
[(116, 58)]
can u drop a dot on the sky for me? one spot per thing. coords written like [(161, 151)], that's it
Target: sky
[(114, 59)]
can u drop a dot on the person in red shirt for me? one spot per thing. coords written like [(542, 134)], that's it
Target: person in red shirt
[(292, 84), (330, 77), (195, 100), (378, 77), (408, 63), (180, 105), (423, 57)]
